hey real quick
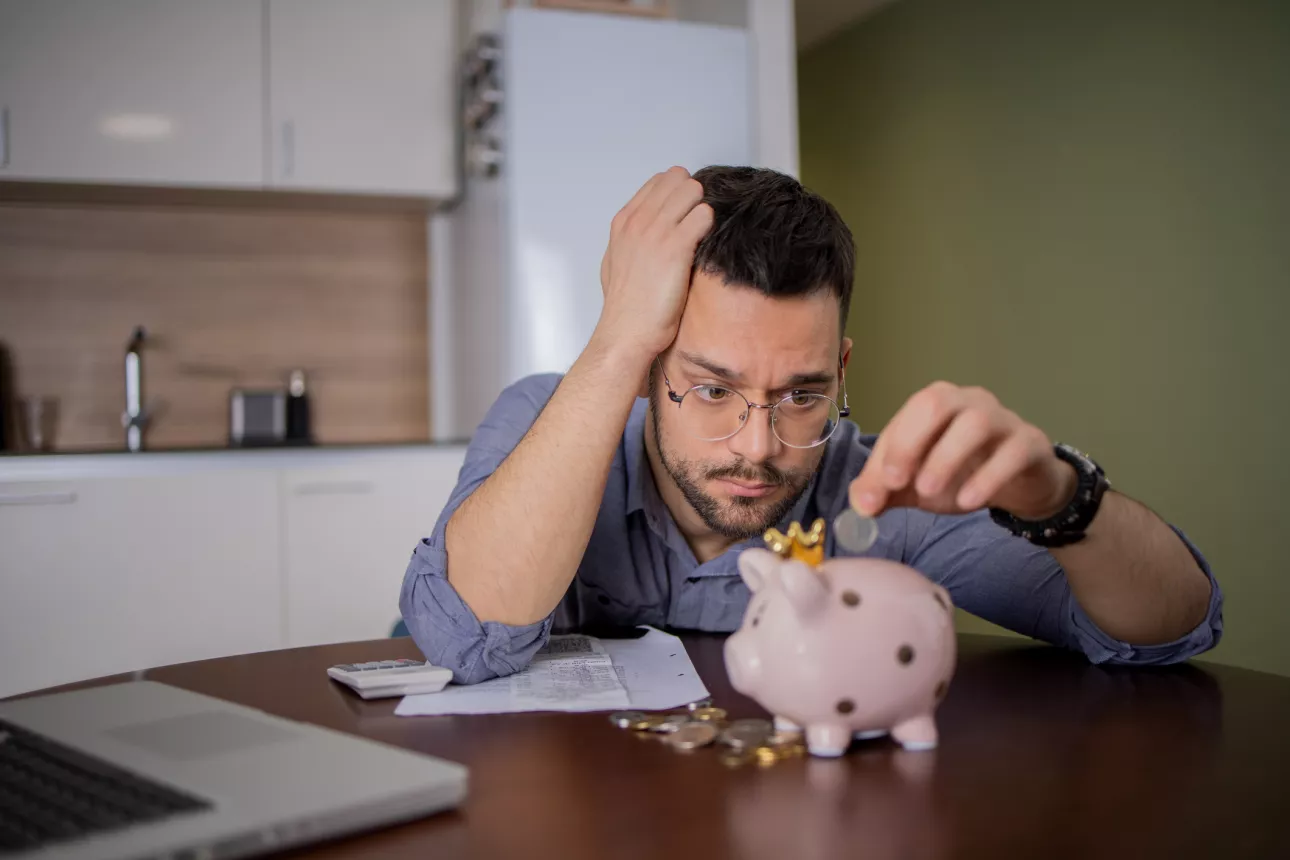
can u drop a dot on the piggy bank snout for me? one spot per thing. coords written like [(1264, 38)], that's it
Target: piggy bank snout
[(743, 663)]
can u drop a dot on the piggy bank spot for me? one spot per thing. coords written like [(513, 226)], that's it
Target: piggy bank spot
[(757, 614), (905, 654), (845, 706), (850, 598)]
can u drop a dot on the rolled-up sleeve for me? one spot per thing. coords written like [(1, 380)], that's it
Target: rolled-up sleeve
[(442, 625), (1010, 582)]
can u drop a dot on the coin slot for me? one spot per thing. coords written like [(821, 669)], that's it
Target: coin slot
[(940, 600), (850, 598), (905, 655)]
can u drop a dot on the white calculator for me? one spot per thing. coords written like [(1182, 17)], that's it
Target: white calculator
[(383, 678)]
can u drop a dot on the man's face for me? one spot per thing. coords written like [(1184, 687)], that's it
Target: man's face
[(765, 349)]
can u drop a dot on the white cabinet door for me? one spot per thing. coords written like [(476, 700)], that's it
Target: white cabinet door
[(362, 96), (132, 91), (100, 576), (350, 531)]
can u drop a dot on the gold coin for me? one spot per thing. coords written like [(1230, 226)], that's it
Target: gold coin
[(787, 751), (692, 736), (709, 714), (734, 758), (783, 737), (653, 721), (669, 723), (766, 756)]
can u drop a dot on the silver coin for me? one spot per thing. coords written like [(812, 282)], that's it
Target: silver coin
[(853, 531), (692, 736), (746, 734), (671, 723), (624, 719)]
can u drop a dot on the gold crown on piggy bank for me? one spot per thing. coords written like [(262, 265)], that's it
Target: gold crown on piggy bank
[(798, 544)]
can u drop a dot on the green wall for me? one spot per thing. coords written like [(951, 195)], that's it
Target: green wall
[(1084, 205)]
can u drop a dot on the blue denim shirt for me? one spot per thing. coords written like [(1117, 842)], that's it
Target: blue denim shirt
[(638, 568)]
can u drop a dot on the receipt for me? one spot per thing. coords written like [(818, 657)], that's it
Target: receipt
[(577, 673), (569, 670)]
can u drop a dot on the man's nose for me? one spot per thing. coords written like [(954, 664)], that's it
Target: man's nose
[(756, 442)]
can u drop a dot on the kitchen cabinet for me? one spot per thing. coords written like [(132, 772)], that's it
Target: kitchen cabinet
[(362, 96), (107, 575), (160, 92), (115, 562), (350, 531)]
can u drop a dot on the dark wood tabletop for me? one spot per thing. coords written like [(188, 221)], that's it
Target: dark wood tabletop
[(1041, 756)]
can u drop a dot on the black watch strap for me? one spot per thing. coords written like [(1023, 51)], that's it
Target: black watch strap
[(1069, 524)]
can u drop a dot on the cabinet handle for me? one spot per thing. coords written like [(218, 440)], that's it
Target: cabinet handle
[(288, 148), (4, 136), (34, 499), (335, 488)]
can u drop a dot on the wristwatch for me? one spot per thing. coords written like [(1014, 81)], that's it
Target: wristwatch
[(1069, 524)]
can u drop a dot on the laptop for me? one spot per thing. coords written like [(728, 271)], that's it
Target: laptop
[(147, 770)]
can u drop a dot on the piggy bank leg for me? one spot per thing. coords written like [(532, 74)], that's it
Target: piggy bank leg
[(783, 724), (918, 733), (828, 740)]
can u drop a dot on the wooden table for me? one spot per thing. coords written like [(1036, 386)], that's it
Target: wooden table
[(1041, 756)]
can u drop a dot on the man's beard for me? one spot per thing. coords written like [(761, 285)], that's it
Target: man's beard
[(742, 517)]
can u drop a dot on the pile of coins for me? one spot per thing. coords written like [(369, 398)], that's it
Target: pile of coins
[(701, 725)]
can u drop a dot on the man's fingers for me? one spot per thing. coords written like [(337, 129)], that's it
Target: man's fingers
[(695, 225), (680, 201), (1017, 453), (651, 205), (867, 493), (905, 440), (971, 431), (643, 193)]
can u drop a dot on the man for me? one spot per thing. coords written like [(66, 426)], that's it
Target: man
[(726, 296)]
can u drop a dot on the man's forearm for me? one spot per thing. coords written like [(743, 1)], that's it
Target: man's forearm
[(1134, 577), (515, 544)]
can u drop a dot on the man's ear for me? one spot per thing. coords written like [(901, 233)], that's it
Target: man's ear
[(758, 567), (847, 343)]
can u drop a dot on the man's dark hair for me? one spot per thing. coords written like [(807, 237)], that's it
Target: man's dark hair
[(771, 233)]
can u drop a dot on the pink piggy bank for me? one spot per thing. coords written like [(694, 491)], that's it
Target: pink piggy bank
[(856, 647)]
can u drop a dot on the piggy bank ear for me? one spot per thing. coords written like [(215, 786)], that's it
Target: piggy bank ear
[(806, 588), (757, 567)]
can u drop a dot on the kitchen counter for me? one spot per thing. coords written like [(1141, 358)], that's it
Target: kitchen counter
[(120, 463)]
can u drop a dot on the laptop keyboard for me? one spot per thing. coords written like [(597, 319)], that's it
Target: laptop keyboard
[(51, 793)]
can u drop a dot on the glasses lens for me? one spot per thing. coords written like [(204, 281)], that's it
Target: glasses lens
[(710, 412), (805, 420)]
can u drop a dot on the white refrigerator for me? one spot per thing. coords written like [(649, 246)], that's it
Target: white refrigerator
[(591, 106)]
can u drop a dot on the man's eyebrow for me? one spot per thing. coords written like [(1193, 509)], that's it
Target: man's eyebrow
[(710, 366), (819, 377)]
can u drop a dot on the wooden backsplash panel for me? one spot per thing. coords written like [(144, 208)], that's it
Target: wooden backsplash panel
[(233, 295)]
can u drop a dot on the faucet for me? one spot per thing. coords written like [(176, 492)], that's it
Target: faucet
[(135, 418)]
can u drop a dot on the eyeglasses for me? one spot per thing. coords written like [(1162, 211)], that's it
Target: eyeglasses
[(802, 419)]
